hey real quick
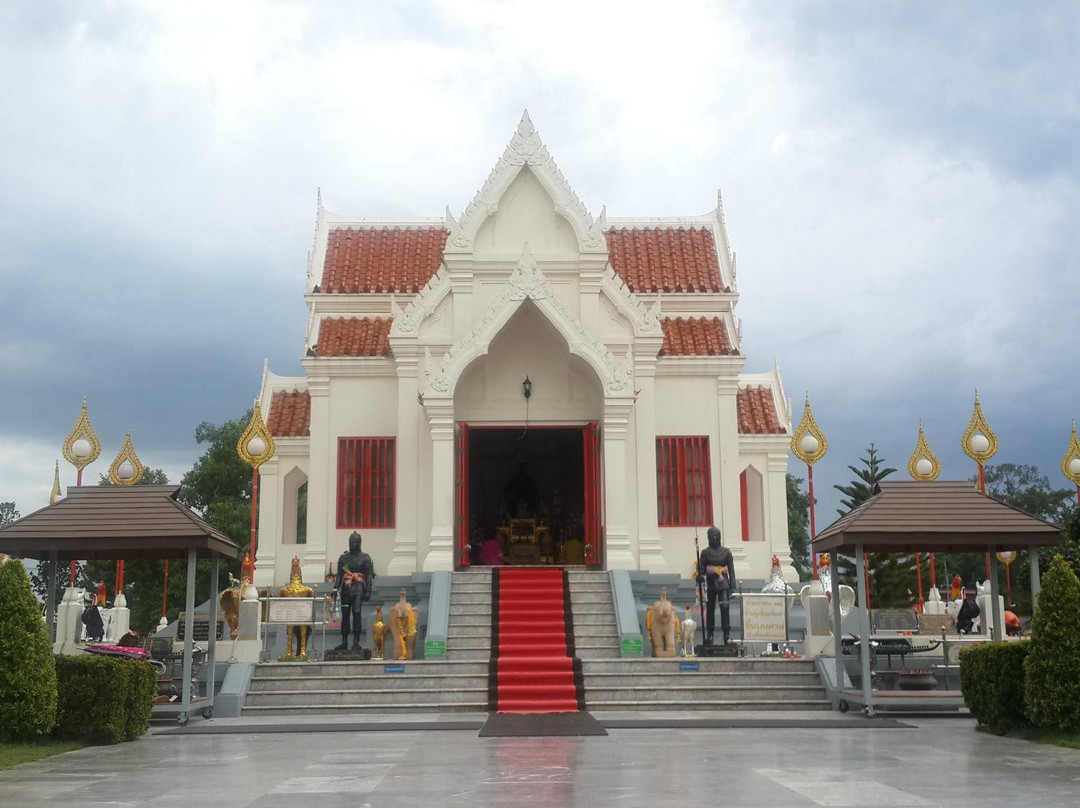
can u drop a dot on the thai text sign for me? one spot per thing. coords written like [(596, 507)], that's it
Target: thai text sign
[(764, 618), (291, 610)]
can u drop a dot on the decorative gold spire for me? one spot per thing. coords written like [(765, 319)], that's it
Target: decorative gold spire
[(923, 465), (55, 493), (126, 468), (256, 445), (984, 449), (1070, 463), (82, 446), (809, 443)]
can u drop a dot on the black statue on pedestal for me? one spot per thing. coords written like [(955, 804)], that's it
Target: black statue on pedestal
[(717, 569), (355, 575)]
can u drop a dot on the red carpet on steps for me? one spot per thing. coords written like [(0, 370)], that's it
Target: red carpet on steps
[(534, 667)]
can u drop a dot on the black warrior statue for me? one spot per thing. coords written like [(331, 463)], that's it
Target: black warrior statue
[(355, 575), (716, 570)]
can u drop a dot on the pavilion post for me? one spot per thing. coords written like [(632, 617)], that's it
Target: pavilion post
[(50, 596), (995, 604), (189, 632), (864, 626), (1033, 560), (837, 635)]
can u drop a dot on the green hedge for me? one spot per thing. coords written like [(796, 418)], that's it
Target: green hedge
[(1053, 667), (992, 680), (104, 699), (27, 674)]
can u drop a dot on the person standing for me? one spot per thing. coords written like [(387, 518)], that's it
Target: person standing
[(717, 569)]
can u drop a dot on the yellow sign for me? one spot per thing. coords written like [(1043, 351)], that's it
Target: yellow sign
[(764, 618)]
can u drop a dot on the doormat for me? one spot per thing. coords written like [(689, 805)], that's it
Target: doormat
[(537, 725)]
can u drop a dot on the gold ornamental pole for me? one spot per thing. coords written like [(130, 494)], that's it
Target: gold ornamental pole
[(255, 447), (810, 445), (980, 444)]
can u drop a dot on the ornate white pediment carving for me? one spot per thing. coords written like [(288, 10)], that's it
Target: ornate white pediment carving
[(407, 320), (645, 319), (525, 149), (527, 282)]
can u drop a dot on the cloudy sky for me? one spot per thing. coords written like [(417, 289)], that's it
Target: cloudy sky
[(900, 182)]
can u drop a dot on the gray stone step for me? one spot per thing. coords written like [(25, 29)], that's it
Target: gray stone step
[(705, 664), (468, 654), (277, 670), (383, 682), (469, 630), (704, 695), (687, 679), (478, 619), (677, 705), (470, 608), (357, 697), (422, 708), (463, 598), (590, 597), (606, 620)]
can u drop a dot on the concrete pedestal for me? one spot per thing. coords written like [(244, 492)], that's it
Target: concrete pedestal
[(69, 622), (119, 620)]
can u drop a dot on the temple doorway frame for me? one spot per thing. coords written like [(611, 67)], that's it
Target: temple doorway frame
[(593, 495)]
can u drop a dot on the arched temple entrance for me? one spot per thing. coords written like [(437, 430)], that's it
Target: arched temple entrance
[(528, 470)]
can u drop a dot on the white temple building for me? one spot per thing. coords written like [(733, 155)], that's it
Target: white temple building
[(411, 423)]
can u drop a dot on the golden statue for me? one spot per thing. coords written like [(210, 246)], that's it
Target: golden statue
[(403, 628), (230, 602), (378, 633), (296, 589)]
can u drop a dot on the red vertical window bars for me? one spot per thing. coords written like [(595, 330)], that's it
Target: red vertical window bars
[(365, 482), (683, 483)]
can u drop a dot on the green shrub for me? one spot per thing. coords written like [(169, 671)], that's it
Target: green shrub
[(104, 699), (1052, 669), (27, 671), (992, 681)]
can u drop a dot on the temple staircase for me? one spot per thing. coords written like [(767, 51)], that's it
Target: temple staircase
[(460, 682)]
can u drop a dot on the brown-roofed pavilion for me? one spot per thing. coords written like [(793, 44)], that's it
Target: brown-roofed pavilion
[(911, 517)]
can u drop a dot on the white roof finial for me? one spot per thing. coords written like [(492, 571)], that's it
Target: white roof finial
[(525, 125)]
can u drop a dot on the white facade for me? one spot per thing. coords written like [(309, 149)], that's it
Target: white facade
[(525, 285)]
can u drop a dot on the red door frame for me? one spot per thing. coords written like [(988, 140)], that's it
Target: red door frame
[(594, 512), (461, 494)]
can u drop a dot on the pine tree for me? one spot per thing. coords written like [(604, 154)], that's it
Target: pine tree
[(27, 667)]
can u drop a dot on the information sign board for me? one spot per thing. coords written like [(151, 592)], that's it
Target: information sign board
[(294, 611), (764, 618)]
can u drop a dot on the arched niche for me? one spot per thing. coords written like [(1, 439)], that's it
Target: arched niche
[(752, 504), (565, 388), (294, 507)]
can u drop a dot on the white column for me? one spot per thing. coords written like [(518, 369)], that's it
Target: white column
[(776, 497), (650, 550), (268, 539), (617, 549), (440, 415), (404, 560), (727, 513)]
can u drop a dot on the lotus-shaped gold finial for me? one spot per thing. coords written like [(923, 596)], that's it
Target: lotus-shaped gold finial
[(979, 441), (126, 469), (256, 445), (82, 447), (923, 465), (809, 443)]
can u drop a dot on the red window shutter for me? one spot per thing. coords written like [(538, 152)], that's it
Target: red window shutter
[(683, 481), (366, 479)]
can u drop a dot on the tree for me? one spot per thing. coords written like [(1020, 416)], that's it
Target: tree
[(219, 484), (862, 487), (27, 667), (1052, 667), (892, 576), (8, 513), (798, 520), (1023, 487)]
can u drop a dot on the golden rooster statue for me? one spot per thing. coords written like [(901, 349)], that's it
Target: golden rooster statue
[(230, 602), (296, 589)]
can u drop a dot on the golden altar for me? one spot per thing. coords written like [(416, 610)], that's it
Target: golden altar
[(529, 543)]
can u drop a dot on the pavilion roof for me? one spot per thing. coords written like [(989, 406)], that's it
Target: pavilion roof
[(113, 522), (952, 516)]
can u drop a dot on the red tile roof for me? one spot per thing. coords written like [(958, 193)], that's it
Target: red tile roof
[(665, 260), (381, 261), (355, 336), (696, 337), (757, 412), (290, 414)]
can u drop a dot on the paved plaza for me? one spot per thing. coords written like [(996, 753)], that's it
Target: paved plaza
[(919, 762)]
